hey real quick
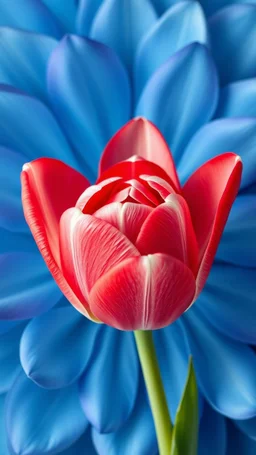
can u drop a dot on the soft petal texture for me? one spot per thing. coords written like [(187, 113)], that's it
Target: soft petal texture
[(84, 445), (116, 374), (232, 32), (42, 421), (23, 60), (219, 363), (9, 356), (136, 437), (80, 73), (238, 99), (49, 187), (85, 15), (211, 7), (228, 301), (127, 218), (238, 242), (65, 12), (168, 229), (3, 439), (33, 15), (149, 297), (11, 214), (176, 111), (96, 195), (237, 135), (50, 339), (181, 25), (17, 299), (89, 248), (212, 433), (121, 25), (141, 138), (238, 442), (24, 120), (210, 193), (248, 427)]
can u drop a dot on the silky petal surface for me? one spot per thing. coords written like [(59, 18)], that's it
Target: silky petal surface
[(237, 135), (212, 433), (181, 25), (17, 299), (156, 290), (140, 138), (181, 96), (238, 99), (219, 362), (65, 12), (137, 436), (50, 340), (228, 301), (232, 32), (9, 356), (121, 25), (248, 427), (33, 15), (212, 7), (83, 445), (39, 420), (86, 12), (23, 60), (210, 193), (116, 373), (238, 442), (81, 74), (24, 120)]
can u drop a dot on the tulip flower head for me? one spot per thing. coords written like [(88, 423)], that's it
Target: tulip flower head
[(135, 249)]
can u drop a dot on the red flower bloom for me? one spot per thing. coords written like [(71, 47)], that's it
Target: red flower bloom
[(134, 250)]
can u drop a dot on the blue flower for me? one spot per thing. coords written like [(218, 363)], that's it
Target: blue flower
[(69, 386)]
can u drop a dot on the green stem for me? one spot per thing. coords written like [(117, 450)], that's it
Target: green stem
[(152, 377)]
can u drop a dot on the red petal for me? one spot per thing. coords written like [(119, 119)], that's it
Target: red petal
[(161, 186), (127, 218), (96, 195), (143, 293), (168, 229), (89, 248), (210, 193), (49, 187), (141, 138)]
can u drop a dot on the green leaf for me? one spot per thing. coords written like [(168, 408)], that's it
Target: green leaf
[(185, 432)]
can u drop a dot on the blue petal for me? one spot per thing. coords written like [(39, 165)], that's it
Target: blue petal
[(23, 60), (91, 96), (3, 441), (232, 32), (11, 242), (236, 135), (238, 443), (11, 214), (238, 242), (33, 15), (26, 288), (238, 99), (87, 10), (65, 12), (136, 437), (162, 5), (27, 126), (9, 356), (228, 301), (172, 355), (212, 423), (248, 427), (225, 369), (180, 25), (181, 96), (108, 387), (42, 421), (83, 446), (211, 7), (52, 338), (5, 326), (121, 24)]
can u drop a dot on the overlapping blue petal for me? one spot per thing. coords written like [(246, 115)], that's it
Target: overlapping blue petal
[(238, 99), (212, 438), (238, 442), (9, 356), (85, 15)]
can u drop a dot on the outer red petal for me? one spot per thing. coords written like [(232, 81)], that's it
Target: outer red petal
[(143, 293), (168, 229), (127, 218), (49, 187), (210, 193), (89, 248), (96, 195), (141, 138)]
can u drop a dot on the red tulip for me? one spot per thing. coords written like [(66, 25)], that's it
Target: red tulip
[(134, 250)]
